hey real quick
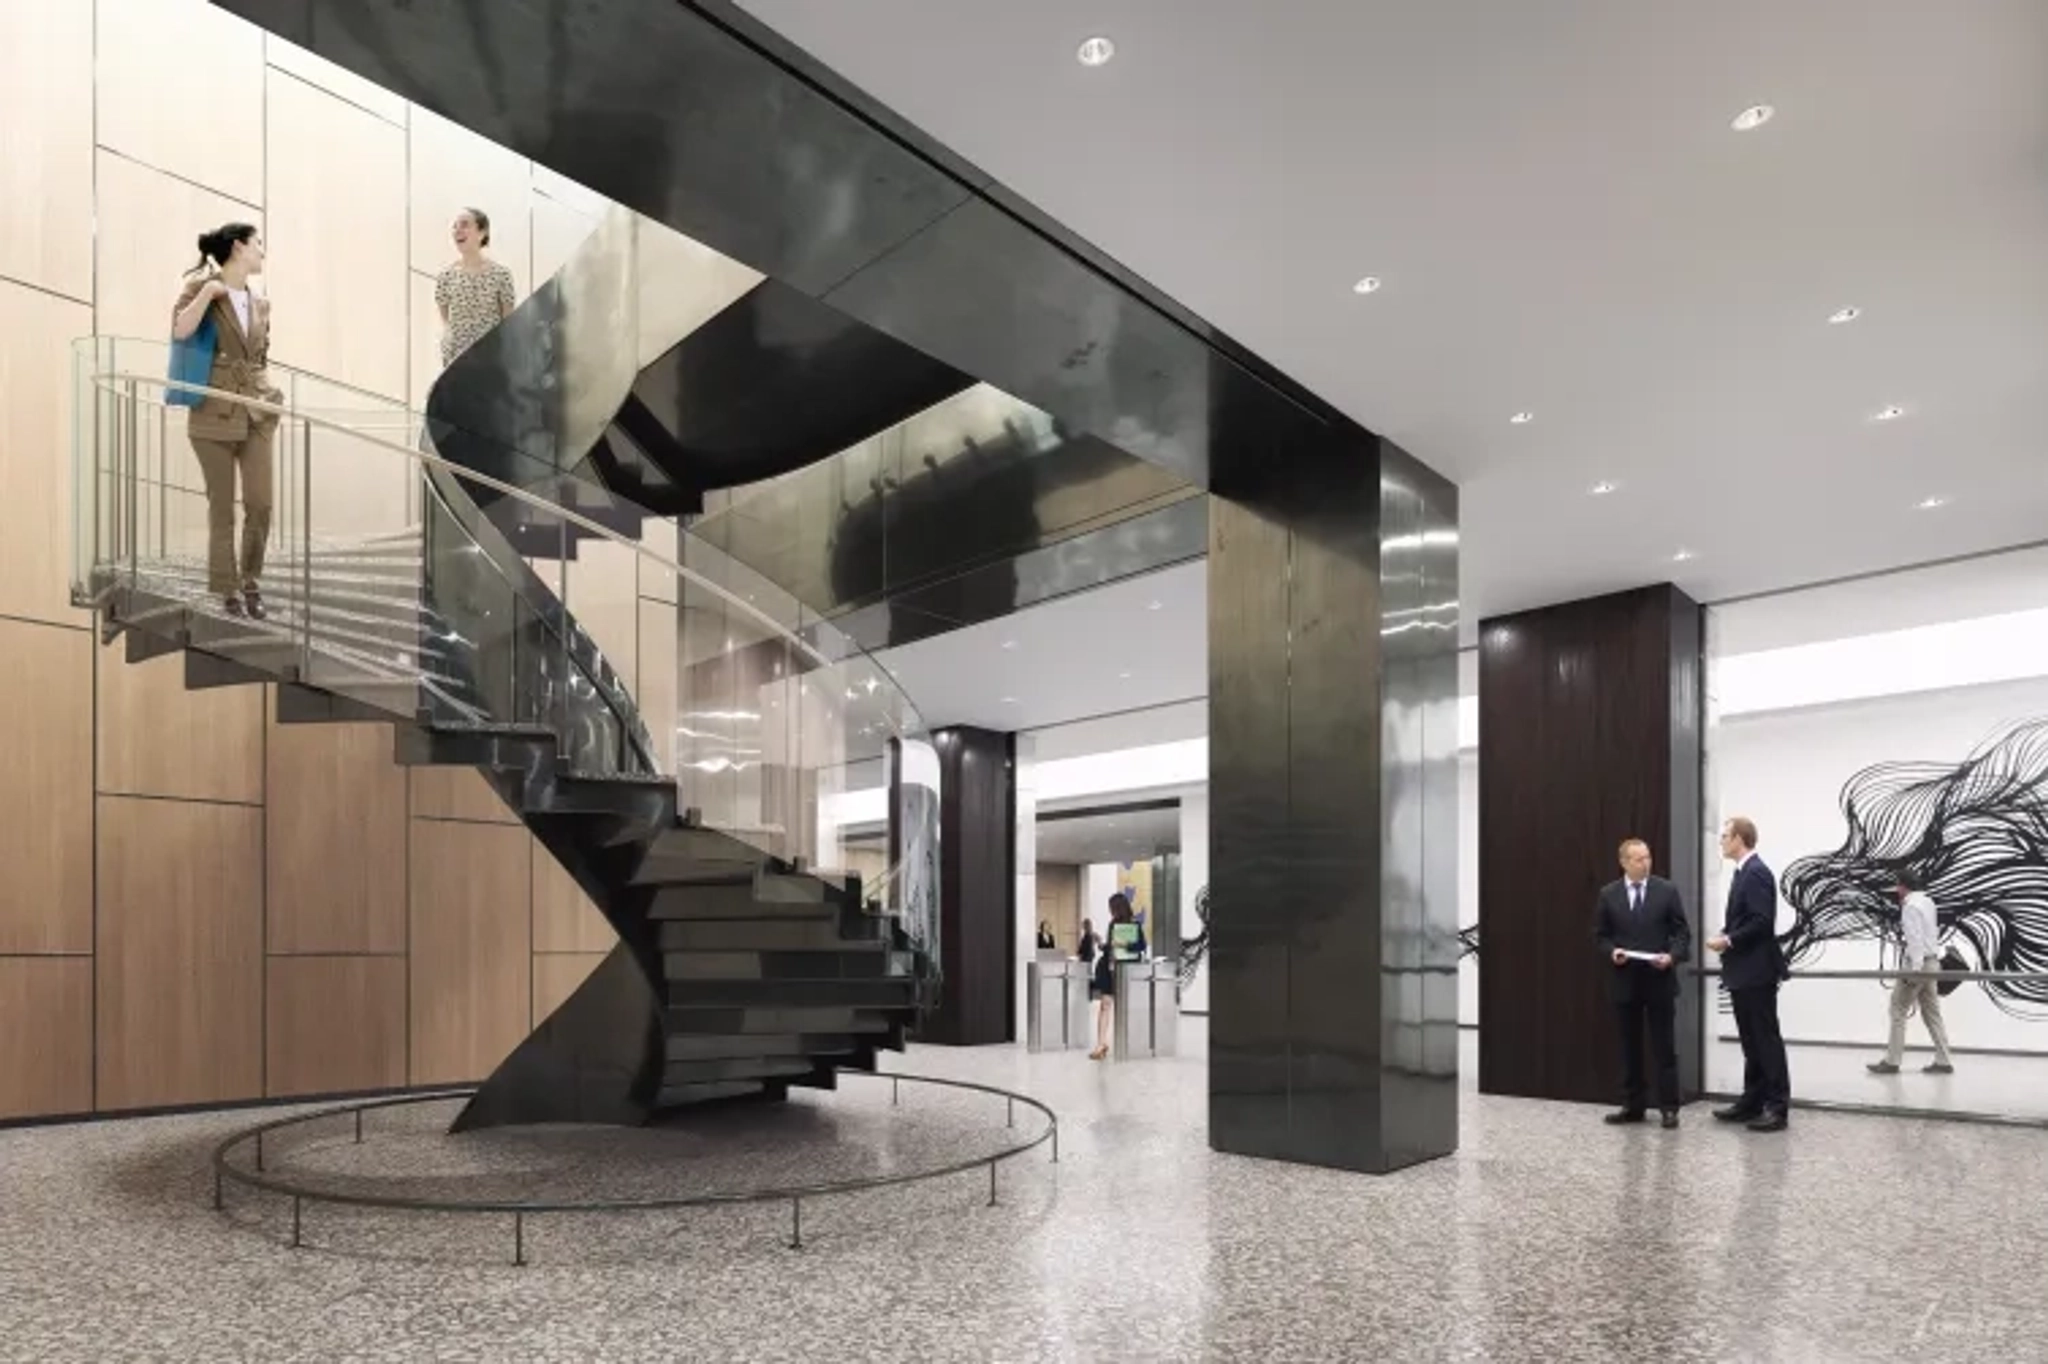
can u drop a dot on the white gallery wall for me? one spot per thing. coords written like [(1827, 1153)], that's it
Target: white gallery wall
[(1786, 769)]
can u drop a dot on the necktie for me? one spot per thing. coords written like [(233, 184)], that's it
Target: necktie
[(1635, 897)]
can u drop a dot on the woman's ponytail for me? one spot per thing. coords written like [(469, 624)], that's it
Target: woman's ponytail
[(216, 246)]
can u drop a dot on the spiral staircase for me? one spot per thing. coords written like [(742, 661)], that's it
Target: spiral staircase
[(743, 967)]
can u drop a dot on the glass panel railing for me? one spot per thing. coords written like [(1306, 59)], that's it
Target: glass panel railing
[(436, 593)]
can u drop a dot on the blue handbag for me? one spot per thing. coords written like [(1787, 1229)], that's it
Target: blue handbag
[(192, 363)]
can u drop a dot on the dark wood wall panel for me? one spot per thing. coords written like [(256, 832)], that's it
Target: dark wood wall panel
[(977, 882), (1590, 726)]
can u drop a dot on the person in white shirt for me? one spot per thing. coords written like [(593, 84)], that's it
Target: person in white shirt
[(1922, 932)]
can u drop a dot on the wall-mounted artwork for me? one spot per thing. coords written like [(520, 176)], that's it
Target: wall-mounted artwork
[(1194, 950), (1974, 833)]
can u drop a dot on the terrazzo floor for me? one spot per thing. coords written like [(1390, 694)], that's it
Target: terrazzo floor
[(1546, 1237)]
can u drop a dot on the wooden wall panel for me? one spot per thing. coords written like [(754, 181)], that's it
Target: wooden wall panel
[(46, 1017), (36, 331), (457, 793), (334, 1025), (180, 944), (556, 976), (158, 739), (46, 803), (453, 169), (564, 919), (46, 173), (337, 239), (148, 227), (471, 949), (152, 111), (604, 596), (295, 61), (336, 849), (656, 692), (1591, 717)]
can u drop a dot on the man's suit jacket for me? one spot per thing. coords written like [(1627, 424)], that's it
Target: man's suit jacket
[(1753, 957), (1659, 926)]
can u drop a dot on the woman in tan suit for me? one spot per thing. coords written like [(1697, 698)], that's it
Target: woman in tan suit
[(226, 435)]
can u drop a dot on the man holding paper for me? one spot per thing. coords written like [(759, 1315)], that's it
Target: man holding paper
[(1641, 927)]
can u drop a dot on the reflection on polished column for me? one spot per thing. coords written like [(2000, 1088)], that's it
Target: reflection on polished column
[(1334, 825)]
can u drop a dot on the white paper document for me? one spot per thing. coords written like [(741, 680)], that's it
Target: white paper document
[(1641, 956)]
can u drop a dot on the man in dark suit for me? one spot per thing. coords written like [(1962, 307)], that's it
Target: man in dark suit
[(1644, 915), (1752, 964)]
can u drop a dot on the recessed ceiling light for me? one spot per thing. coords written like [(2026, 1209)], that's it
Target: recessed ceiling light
[(1683, 556), (1752, 118), (1841, 315), (1602, 488), (1522, 418), (1888, 414), (1009, 700), (1009, 644), (1154, 605), (1369, 285), (1095, 51), (1123, 677), (1930, 503)]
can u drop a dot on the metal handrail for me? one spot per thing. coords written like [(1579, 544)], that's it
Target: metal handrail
[(1872, 974), (224, 1169), (105, 379)]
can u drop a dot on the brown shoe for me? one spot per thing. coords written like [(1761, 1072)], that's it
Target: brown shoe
[(1098, 1053)]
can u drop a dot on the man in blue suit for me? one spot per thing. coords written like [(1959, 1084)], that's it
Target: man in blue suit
[(1752, 964)]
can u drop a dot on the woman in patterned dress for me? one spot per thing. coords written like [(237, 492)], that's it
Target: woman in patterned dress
[(475, 294)]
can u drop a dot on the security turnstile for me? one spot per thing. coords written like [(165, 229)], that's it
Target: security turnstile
[(1147, 1009), (1056, 1005)]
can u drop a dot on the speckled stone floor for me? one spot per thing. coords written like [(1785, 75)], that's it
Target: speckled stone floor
[(1547, 1237)]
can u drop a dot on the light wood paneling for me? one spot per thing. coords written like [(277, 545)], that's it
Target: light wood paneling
[(558, 229), (457, 793), (556, 976), (180, 953), (454, 169), (1059, 902), (656, 693), (335, 807), (564, 919), (46, 171), (659, 536), (158, 739), (335, 80), (46, 1017), (703, 284), (425, 339), (148, 229), (334, 1024), (35, 449), (180, 87), (604, 596), (337, 239), (46, 802), (471, 949)]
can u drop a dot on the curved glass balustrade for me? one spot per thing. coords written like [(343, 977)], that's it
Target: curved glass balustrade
[(436, 594)]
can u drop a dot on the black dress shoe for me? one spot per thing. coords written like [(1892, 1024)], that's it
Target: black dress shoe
[(1737, 1113), (1670, 1119), (1772, 1121), (1624, 1116)]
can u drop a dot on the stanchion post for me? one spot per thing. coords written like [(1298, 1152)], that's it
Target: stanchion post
[(219, 1202), (359, 1127), (895, 1091), (519, 1240), (796, 1224), (296, 1202), (259, 1153), (1011, 1120), (991, 1184)]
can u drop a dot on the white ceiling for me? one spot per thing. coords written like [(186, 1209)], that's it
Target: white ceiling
[(1139, 642), (1566, 224), (1122, 836)]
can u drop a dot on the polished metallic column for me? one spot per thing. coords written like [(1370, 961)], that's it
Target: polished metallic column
[(1334, 821)]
